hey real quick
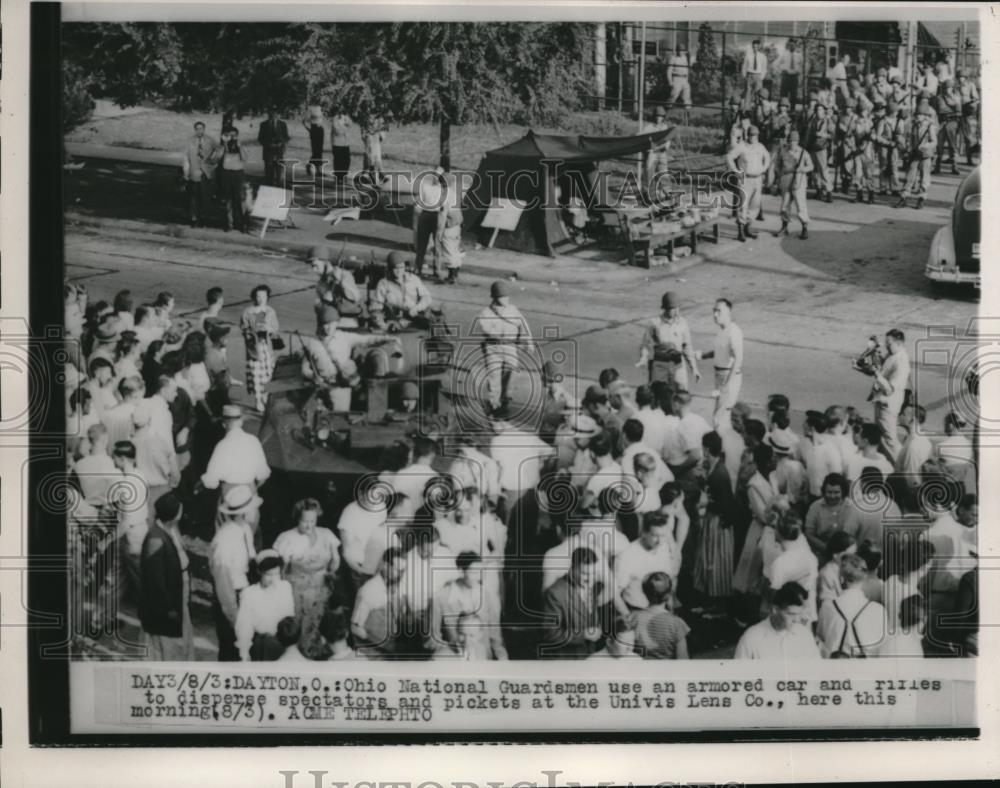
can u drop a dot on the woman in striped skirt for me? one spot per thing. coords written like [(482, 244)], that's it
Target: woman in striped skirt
[(259, 325), (713, 569), (749, 570)]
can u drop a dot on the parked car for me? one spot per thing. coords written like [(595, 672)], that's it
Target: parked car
[(954, 255)]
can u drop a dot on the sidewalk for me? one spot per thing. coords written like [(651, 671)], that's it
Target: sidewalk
[(359, 238)]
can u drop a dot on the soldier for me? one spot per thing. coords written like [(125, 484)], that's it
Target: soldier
[(862, 163), (793, 168), (890, 132), (752, 161), (730, 182), (329, 357), (950, 105), (844, 147), (764, 112), (666, 348), (857, 95), (658, 161), (970, 111), (922, 144), (505, 332), (734, 122), (678, 70), (817, 142), (781, 125), (336, 286), (400, 299)]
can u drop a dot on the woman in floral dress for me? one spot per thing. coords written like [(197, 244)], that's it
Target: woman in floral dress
[(311, 555)]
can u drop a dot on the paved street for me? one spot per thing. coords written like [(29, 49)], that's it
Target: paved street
[(806, 308)]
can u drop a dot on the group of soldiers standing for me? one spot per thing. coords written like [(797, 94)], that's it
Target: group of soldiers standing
[(882, 138)]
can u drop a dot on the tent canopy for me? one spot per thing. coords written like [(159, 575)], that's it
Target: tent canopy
[(568, 162), (579, 148)]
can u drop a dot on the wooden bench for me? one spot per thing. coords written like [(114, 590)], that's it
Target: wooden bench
[(642, 239)]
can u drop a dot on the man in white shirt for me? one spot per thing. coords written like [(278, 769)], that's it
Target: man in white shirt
[(412, 480), (608, 473), (851, 625), (841, 434), (678, 71), (359, 520), (654, 421), (237, 459), (873, 507), (160, 420), (837, 74), (118, 419), (654, 551), (917, 448), (819, 455), (790, 64), (754, 70), (376, 602), (889, 391), (789, 476), (230, 555), (868, 438), (784, 635), (635, 444), (727, 353), (795, 563), (505, 336), (96, 472)]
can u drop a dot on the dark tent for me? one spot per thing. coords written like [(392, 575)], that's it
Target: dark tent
[(531, 168)]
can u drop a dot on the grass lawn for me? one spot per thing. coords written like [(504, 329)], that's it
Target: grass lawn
[(406, 147)]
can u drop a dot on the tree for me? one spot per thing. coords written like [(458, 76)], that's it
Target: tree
[(706, 71), (77, 103)]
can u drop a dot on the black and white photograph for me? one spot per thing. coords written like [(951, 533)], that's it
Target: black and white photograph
[(561, 375)]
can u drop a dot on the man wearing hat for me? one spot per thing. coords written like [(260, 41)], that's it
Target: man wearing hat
[(751, 161), (238, 458), (922, 147), (970, 110), (666, 346), (427, 206), (816, 136), (950, 106), (793, 168), (231, 552), (890, 130), (329, 359), (106, 337), (658, 159), (400, 299), (336, 286), (780, 126), (505, 334), (789, 475), (861, 163), (678, 70)]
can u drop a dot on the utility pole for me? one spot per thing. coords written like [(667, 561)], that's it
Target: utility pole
[(601, 63), (642, 90)]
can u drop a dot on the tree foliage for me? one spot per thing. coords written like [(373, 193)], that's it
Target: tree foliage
[(77, 103), (706, 71), (447, 73)]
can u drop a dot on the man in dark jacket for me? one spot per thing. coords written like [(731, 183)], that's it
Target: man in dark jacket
[(165, 589), (577, 618), (273, 137)]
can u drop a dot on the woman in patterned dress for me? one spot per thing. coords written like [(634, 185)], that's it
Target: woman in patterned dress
[(311, 555), (713, 571), (259, 325)]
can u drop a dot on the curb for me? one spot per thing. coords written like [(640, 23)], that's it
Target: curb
[(361, 246)]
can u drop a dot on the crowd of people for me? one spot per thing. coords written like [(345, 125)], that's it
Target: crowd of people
[(864, 134), (618, 524)]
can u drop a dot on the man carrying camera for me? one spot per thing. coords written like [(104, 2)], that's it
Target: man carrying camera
[(889, 390), (232, 168)]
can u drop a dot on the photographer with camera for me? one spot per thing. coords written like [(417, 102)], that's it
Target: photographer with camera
[(232, 168), (666, 346), (891, 374)]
